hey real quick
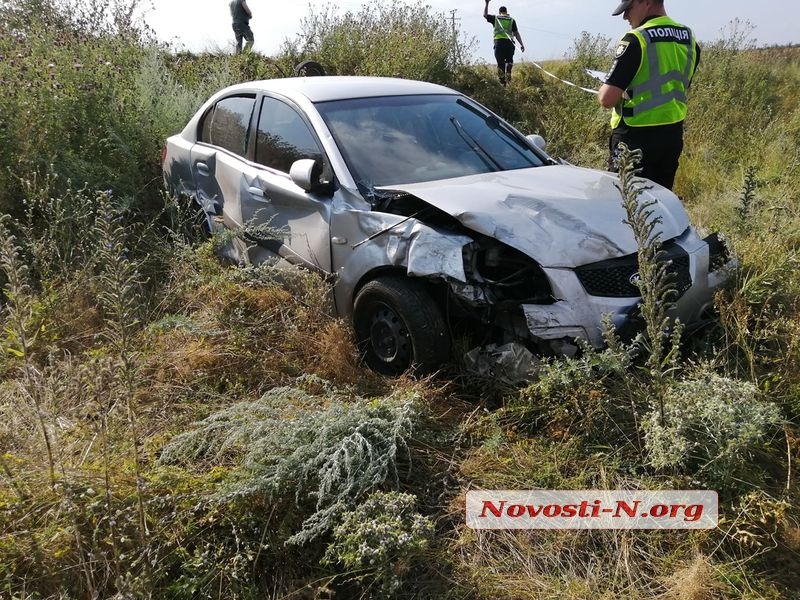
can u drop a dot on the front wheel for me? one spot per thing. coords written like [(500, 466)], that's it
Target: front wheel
[(399, 327)]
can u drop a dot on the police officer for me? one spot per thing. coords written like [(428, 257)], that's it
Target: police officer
[(647, 86), (505, 30)]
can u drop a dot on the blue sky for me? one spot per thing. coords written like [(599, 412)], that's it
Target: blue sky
[(548, 27)]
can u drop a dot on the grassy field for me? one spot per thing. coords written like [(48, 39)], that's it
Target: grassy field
[(172, 426)]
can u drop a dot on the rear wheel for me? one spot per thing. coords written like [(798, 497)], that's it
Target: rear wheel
[(399, 327), (199, 223), (191, 222)]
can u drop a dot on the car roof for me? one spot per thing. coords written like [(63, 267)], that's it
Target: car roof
[(328, 87)]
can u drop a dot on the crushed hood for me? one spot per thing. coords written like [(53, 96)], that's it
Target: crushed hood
[(561, 216)]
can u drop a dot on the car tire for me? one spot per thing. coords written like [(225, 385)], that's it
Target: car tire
[(309, 68), (399, 327)]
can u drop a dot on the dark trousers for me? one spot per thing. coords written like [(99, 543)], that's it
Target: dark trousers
[(504, 55), (661, 148), (242, 31)]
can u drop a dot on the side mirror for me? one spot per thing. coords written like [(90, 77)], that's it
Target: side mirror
[(537, 141), (306, 173)]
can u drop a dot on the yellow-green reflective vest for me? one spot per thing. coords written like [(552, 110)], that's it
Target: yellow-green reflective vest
[(658, 91), (502, 27)]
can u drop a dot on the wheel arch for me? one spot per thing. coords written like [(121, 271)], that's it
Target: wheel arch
[(436, 288)]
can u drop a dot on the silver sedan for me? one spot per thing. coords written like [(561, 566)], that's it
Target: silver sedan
[(435, 218)]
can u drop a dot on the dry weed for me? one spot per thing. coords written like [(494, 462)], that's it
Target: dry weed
[(693, 581)]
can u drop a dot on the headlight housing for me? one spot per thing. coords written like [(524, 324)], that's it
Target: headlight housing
[(505, 274)]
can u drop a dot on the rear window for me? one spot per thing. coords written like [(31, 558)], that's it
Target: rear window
[(227, 124)]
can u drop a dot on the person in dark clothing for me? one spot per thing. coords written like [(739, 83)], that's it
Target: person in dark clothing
[(647, 87), (241, 15), (505, 30)]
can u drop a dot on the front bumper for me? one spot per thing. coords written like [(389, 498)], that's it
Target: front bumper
[(578, 314)]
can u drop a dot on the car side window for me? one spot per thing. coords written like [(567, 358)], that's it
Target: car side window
[(283, 136), (227, 124)]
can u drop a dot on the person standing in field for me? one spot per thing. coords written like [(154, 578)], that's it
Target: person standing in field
[(241, 15), (647, 88), (505, 30)]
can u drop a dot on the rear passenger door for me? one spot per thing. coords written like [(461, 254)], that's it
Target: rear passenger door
[(219, 161)]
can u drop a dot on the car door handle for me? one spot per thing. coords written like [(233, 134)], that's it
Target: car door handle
[(257, 192), (202, 167)]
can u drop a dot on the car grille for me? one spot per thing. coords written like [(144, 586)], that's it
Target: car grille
[(616, 277)]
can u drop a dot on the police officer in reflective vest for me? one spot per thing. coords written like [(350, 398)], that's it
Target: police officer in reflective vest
[(505, 30), (647, 86)]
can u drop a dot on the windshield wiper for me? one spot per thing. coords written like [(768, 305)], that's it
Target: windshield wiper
[(492, 122), (475, 145), (498, 126), (503, 135)]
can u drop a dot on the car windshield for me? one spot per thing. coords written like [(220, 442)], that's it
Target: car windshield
[(410, 139)]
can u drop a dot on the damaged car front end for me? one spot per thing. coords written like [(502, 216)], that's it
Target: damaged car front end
[(436, 219), (512, 266), (570, 258)]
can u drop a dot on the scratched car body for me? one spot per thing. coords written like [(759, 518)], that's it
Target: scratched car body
[(433, 216)]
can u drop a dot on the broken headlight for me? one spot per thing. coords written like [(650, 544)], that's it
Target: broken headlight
[(505, 274)]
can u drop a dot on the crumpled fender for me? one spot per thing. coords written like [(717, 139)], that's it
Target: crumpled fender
[(418, 249)]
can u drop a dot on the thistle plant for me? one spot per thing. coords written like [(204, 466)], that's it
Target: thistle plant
[(747, 197), (656, 283), (21, 332), (120, 289), (713, 422), (57, 225)]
